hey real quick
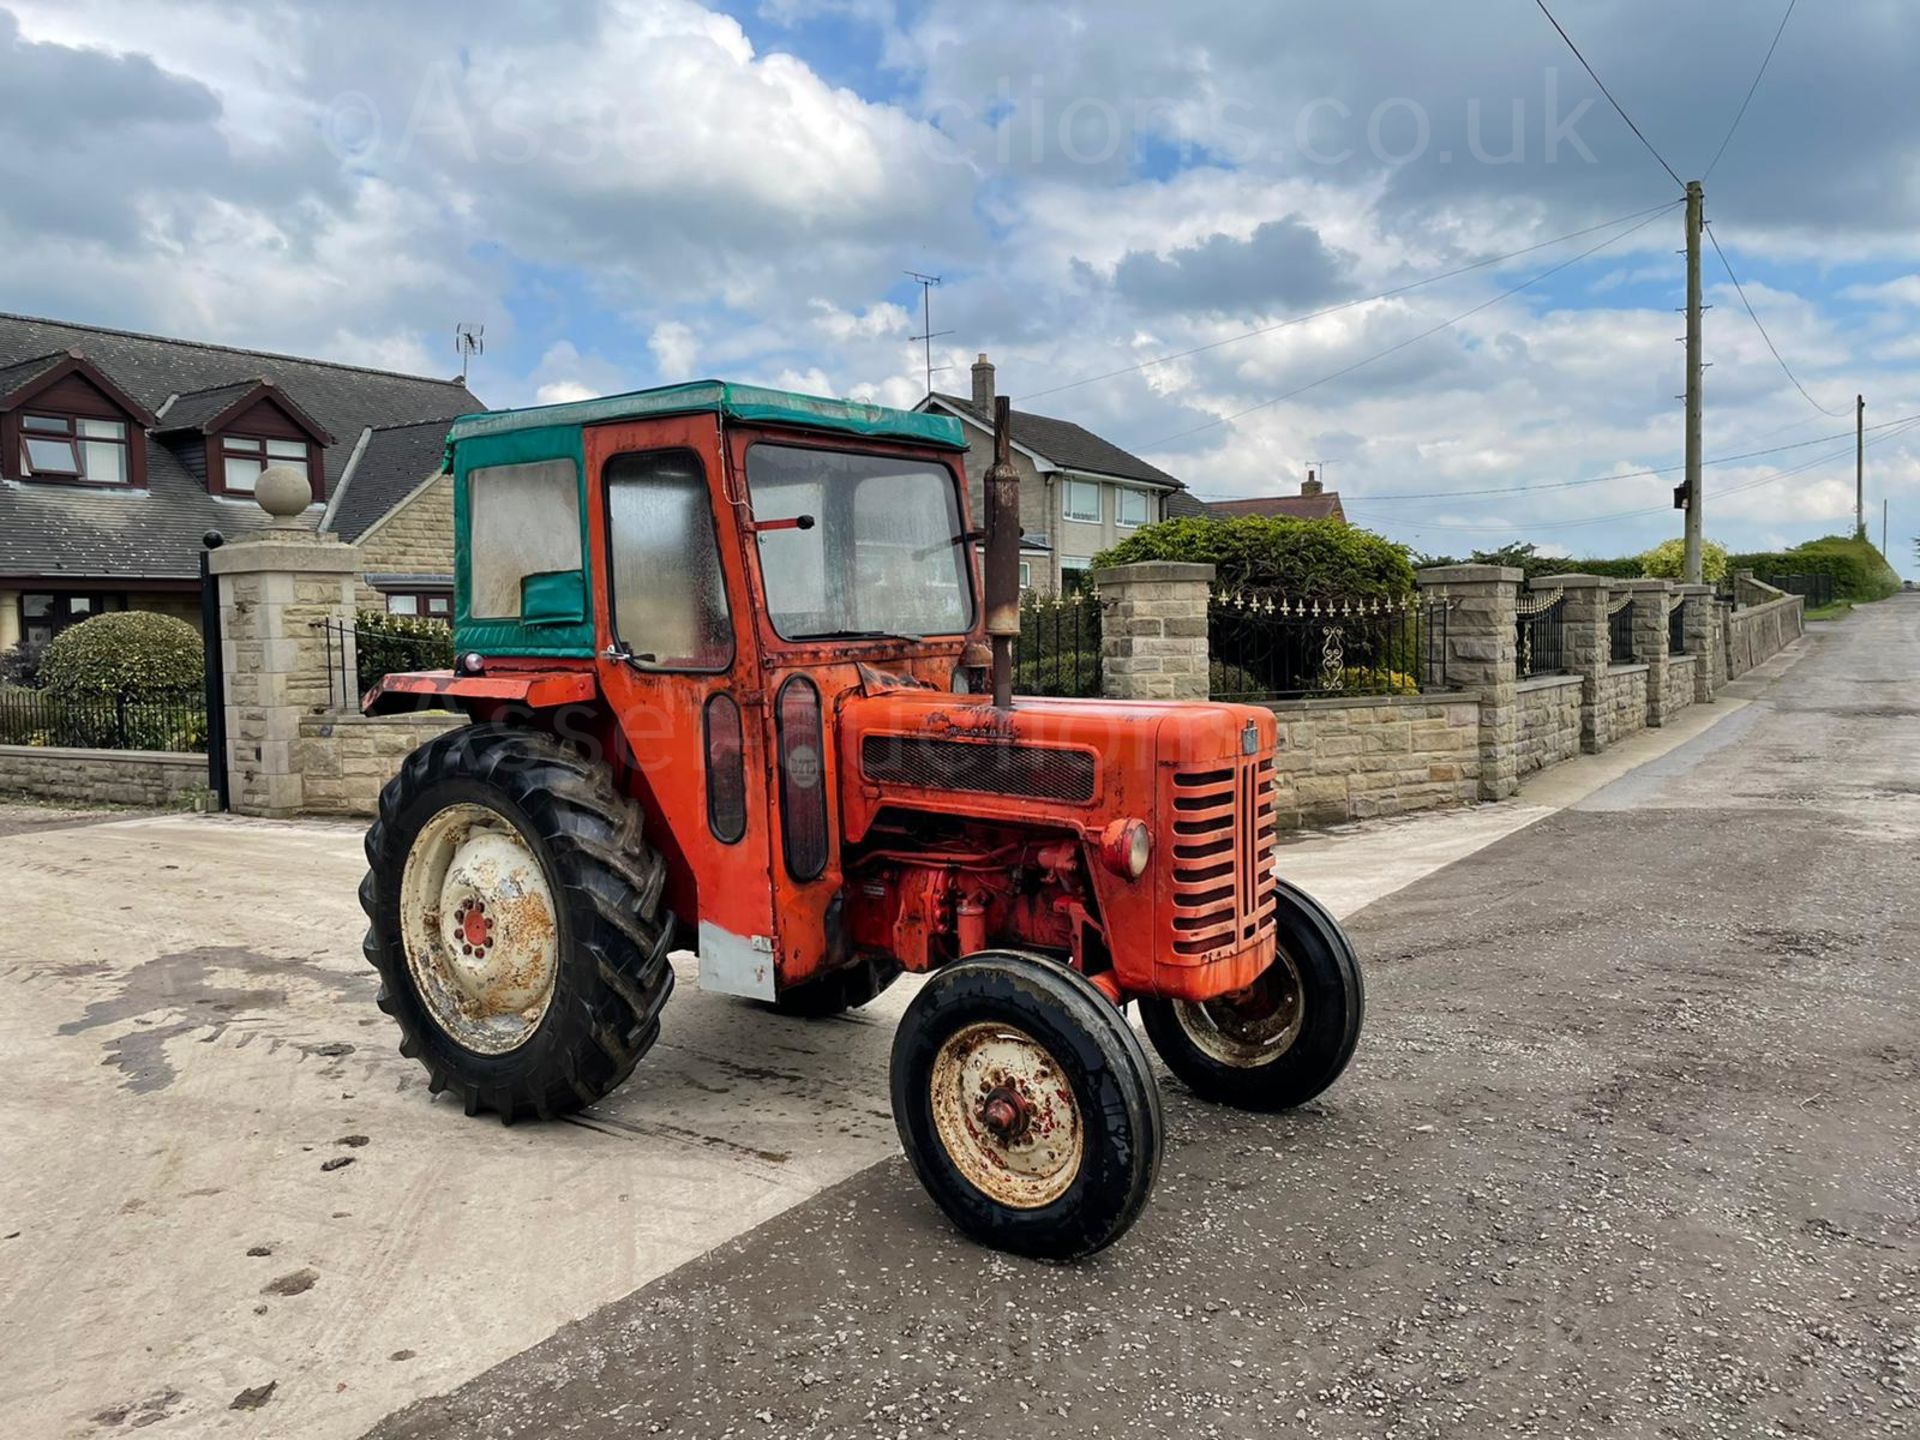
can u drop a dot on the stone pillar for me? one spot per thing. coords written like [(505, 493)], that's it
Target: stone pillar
[(277, 587), (1650, 641), (1153, 630), (1702, 620), (1583, 631), (1482, 655)]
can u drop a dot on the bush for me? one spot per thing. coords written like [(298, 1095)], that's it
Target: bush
[(128, 655), (1065, 672), (1302, 559), (1525, 557), (395, 644), (1860, 572), (1668, 561), (20, 666)]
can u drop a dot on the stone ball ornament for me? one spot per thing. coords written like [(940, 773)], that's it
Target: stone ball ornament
[(283, 492)]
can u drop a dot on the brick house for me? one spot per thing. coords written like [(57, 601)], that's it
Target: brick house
[(1314, 502), (119, 451), (397, 506), (1079, 494)]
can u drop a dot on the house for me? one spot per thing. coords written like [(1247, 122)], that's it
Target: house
[(120, 451), (1314, 502), (1079, 494), (394, 502)]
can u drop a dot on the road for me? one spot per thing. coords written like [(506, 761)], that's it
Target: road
[(1629, 1149)]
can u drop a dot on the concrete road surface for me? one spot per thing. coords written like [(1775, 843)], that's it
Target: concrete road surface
[(1629, 1149)]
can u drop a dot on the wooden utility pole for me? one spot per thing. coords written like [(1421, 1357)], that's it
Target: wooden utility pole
[(1860, 466), (1696, 205)]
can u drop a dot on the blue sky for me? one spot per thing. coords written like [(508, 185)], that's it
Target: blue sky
[(627, 192)]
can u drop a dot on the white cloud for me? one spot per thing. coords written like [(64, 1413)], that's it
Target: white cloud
[(675, 348)]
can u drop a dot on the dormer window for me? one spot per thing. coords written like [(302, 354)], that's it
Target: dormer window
[(243, 457), (73, 447)]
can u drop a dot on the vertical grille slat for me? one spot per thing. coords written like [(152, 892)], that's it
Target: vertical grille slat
[(1224, 828)]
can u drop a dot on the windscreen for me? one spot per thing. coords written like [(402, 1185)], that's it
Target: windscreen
[(878, 551)]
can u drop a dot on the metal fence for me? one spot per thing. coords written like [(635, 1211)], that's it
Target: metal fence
[(1263, 646), (379, 649), (1676, 625), (1620, 630), (1818, 589), (1540, 646), (1058, 649), (33, 717)]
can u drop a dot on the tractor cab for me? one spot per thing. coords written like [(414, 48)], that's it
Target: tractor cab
[(736, 687)]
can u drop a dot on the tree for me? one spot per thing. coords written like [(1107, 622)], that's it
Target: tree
[(1668, 561)]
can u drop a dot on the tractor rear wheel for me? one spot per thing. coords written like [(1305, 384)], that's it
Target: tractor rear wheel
[(1283, 1039), (516, 922), (1026, 1105)]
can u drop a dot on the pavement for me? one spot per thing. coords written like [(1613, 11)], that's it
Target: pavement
[(1629, 1148)]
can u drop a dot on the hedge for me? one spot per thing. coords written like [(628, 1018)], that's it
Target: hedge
[(1303, 559), (1860, 572), (125, 655), (394, 644)]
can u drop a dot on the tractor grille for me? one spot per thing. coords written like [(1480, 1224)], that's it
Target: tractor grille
[(1223, 837), (987, 767)]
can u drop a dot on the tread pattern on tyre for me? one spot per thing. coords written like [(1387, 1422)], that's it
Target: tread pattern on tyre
[(608, 884)]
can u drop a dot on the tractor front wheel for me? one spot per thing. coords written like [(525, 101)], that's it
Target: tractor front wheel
[(515, 919), (1026, 1105), (1283, 1039)]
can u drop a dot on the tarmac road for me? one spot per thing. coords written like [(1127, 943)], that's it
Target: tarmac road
[(1629, 1149)]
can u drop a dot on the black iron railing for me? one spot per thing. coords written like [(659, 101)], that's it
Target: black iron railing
[(1676, 625), (1620, 630), (1818, 589), (33, 717), (1540, 646), (379, 648), (1058, 648), (1263, 646)]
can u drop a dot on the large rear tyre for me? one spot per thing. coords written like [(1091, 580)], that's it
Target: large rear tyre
[(515, 919), (1283, 1039), (1026, 1105)]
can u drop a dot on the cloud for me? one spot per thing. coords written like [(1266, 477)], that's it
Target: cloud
[(675, 349), (1283, 262)]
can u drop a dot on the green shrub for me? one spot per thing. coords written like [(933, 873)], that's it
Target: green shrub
[(1668, 561), (1064, 672), (20, 666), (1231, 682), (1302, 559), (1860, 572), (395, 644), (127, 655), (1524, 556)]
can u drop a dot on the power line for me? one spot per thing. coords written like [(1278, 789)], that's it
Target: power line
[(1609, 94), (1343, 305), (1741, 290), (1412, 339), (1750, 90)]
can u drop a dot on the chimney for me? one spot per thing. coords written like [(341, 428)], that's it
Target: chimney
[(1311, 485), (983, 384)]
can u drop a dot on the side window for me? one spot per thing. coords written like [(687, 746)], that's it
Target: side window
[(521, 520), (669, 598)]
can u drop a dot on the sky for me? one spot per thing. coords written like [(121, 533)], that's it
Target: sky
[(633, 192)]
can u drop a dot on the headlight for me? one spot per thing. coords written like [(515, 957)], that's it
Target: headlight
[(1125, 848)]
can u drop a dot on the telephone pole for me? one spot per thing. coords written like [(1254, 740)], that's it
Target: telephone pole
[(1696, 205), (1860, 466)]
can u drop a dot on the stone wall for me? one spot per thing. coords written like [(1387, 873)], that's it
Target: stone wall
[(1549, 721), (1153, 630), (1756, 635), (344, 760), (414, 538), (1379, 755), (1623, 701), (154, 778), (1680, 683)]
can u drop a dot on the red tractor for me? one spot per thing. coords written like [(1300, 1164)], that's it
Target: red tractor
[(734, 689)]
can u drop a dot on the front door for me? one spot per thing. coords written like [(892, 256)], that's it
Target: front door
[(681, 671)]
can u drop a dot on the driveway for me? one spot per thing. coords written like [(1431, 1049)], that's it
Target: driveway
[(1629, 1145)]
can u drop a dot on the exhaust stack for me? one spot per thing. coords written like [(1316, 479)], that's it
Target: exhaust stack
[(1003, 553)]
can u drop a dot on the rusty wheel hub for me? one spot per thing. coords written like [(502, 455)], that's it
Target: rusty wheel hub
[(1250, 1027), (1006, 1115), (478, 920)]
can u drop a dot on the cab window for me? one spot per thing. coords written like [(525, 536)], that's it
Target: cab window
[(523, 520), (669, 600)]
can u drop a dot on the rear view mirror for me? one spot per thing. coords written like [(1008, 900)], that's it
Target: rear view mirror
[(553, 597)]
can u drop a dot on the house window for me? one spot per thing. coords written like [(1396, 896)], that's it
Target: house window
[(43, 615), (1132, 508), (68, 447), (1026, 575), (429, 604), (243, 458), (1083, 501), (1073, 573)]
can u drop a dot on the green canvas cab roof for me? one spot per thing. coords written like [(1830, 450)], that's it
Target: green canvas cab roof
[(751, 403)]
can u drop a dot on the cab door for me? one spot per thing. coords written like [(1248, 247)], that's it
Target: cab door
[(678, 664)]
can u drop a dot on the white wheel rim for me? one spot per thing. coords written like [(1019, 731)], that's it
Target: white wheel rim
[(478, 923), (1006, 1115), (1252, 1027)]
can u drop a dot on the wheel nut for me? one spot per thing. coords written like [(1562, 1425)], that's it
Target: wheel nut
[(1005, 1113)]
